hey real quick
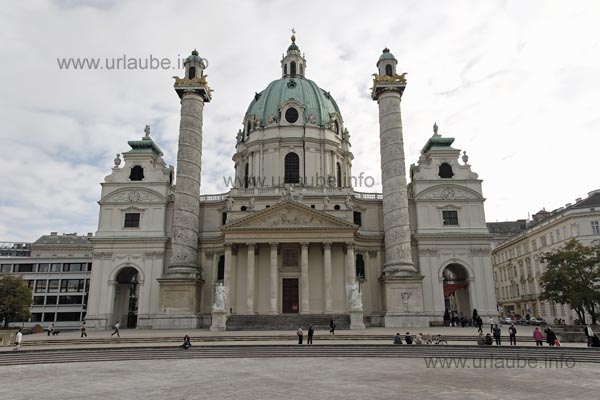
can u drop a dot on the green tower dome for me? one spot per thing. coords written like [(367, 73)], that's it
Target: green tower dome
[(315, 100)]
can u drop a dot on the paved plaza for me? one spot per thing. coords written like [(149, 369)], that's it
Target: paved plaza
[(293, 378)]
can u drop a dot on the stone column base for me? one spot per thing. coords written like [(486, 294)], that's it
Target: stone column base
[(403, 297), (179, 303), (219, 321), (356, 320), (406, 321)]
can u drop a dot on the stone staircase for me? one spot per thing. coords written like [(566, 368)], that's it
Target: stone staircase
[(286, 322), (552, 355)]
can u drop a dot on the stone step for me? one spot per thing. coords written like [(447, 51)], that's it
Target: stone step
[(291, 322), (570, 355)]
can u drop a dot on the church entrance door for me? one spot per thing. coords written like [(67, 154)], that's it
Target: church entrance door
[(290, 296)]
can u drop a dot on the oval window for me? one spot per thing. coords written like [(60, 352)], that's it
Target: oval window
[(291, 115)]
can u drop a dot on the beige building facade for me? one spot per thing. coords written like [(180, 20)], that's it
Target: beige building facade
[(292, 238), (517, 269)]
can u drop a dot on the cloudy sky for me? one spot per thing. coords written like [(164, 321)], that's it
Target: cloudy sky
[(516, 83)]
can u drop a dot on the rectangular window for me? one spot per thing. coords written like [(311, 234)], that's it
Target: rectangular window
[(38, 300), (89, 267), (87, 285), (71, 285), (36, 317), (6, 268), (55, 267), (221, 269), (558, 235), (40, 286), (43, 267), (23, 267), (543, 241), (358, 218), (30, 284), (51, 300), (132, 220), (73, 267), (70, 300), (534, 244), (49, 317), (68, 316), (223, 218), (595, 228), (450, 217), (53, 286)]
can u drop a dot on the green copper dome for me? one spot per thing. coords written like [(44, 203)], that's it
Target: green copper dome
[(315, 100), (386, 55)]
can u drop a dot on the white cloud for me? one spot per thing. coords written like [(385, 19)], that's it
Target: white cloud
[(516, 83)]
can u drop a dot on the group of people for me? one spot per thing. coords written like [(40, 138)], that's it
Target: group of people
[(408, 338)]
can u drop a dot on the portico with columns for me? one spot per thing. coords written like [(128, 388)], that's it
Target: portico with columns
[(289, 259)]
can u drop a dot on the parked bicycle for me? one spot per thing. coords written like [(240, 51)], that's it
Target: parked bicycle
[(437, 340)]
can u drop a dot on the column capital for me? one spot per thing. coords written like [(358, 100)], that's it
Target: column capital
[(274, 245), (327, 245), (349, 245), (228, 246), (251, 245), (304, 244), (209, 253)]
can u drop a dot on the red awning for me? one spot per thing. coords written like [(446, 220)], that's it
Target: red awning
[(450, 288)]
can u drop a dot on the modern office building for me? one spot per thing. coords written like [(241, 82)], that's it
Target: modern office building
[(58, 273)]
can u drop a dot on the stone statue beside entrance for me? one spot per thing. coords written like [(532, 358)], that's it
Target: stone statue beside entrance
[(355, 297), (220, 293)]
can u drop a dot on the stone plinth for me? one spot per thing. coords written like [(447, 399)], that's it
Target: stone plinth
[(219, 321), (356, 320), (179, 303), (403, 299)]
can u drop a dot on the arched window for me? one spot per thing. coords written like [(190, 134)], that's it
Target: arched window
[(336, 127), (292, 168), (388, 70), (192, 73), (246, 177), (301, 69), (293, 69), (445, 171), (360, 267), (284, 69), (137, 173), (221, 269), (338, 174), (248, 127)]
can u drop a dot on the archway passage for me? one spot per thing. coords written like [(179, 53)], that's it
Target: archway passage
[(456, 291), (126, 297)]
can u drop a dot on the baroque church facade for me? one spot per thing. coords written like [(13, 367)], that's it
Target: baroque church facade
[(292, 238)]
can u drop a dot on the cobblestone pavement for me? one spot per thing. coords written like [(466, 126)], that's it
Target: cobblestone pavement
[(294, 378)]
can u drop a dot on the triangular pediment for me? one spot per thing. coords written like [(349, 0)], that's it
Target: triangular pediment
[(289, 215)]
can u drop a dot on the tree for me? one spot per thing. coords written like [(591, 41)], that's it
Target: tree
[(15, 299), (573, 277)]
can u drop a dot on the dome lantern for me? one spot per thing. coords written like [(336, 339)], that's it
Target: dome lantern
[(293, 63)]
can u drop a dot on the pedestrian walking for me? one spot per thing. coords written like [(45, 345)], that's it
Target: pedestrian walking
[(497, 334), (446, 318), (300, 334), (492, 323), (50, 329), (479, 322), (116, 329), (550, 337), (512, 335), (18, 340), (83, 333), (589, 334), (331, 327), (538, 336), (311, 332)]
